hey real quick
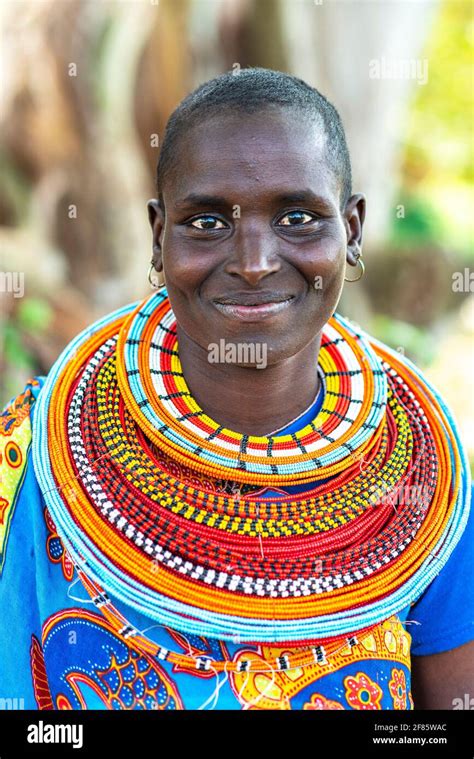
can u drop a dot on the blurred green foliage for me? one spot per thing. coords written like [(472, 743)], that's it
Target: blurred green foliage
[(416, 343), (437, 167), (31, 318), (34, 314)]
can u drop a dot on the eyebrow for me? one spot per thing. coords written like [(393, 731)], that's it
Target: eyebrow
[(303, 196), (204, 201), (201, 201)]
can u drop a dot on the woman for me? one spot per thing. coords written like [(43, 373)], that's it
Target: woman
[(227, 495)]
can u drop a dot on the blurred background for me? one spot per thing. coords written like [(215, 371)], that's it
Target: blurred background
[(87, 90)]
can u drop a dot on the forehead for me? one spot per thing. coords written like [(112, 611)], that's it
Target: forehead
[(252, 154)]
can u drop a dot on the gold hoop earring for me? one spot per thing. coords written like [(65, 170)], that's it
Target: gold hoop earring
[(359, 261), (362, 271), (156, 285)]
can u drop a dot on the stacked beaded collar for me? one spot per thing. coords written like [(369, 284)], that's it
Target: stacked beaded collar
[(163, 508)]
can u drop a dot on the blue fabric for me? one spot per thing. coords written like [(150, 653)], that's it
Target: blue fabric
[(58, 651)]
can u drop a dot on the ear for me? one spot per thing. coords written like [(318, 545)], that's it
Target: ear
[(354, 216), (156, 218)]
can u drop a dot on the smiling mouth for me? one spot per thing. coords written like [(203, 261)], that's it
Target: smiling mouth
[(247, 310)]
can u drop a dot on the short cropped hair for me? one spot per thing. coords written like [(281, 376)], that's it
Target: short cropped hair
[(250, 90)]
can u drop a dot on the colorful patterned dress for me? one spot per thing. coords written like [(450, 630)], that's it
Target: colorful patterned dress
[(58, 651)]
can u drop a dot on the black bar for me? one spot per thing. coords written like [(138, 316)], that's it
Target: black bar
[(311, 734)]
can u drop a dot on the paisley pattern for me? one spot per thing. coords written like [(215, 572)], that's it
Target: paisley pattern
[(82, 664), (15, 441), (362, 693), (398, 689), (89, 667), (388, 642), (55, 548)]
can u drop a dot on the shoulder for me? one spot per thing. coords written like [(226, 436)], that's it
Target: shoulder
[(16, 426), (18, 408), (15, 444)]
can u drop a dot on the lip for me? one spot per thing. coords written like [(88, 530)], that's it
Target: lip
[(253, 298), (256, 311)]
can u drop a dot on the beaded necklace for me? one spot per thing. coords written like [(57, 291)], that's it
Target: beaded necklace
[(136, 477)]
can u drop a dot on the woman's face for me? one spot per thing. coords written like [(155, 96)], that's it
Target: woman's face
[(251, 219)]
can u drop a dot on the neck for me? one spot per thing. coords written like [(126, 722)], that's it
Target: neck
[(249, 400)]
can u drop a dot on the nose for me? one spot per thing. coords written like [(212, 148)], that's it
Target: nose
[(254, 256)]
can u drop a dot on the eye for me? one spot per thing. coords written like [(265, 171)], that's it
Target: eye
[(296, 218), (206, 222)]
